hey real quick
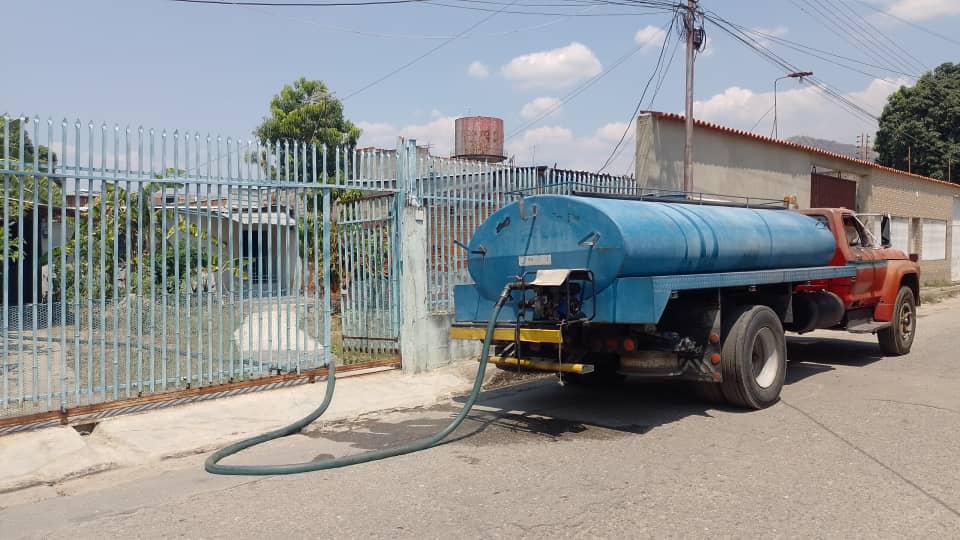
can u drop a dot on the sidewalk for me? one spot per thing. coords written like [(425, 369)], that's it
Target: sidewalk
[(53, 455), (933, 295)]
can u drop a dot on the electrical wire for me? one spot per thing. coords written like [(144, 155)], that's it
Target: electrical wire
[(570, 96), (656, 91), (881, 34), (757, 123), (516, 12), (432, 50), (643, 95), (785, 65), (300, 4), (914, 25), (360, 3), (366, 33), (823, 55), (858, 29), (832, 26)]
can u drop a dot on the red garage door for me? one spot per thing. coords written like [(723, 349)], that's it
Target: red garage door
[(832, 192)]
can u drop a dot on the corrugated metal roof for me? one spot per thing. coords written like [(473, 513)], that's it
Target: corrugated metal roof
[(795, 146)]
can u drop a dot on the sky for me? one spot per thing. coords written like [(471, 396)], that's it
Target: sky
[(565, 75)]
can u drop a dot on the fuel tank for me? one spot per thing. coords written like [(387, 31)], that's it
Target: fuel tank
[(629, 238)]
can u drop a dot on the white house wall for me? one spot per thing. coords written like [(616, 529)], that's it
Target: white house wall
[(282, 253)]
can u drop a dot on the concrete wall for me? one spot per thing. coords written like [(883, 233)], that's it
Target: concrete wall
[(723, 164)]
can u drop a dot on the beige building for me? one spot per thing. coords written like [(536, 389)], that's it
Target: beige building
[(925, 211)]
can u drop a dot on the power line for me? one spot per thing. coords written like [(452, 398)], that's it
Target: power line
[(841, 31), (636, 110), (867, 36), (366, 33), (770, 110), (780, 62), (883, 35), (910, 23), (360, 3), (516, 12), (805, 49), (300, 4), (576, 91), (432, 50), (656, 92)]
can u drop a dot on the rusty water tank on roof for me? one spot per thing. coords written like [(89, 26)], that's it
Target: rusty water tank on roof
[(479, 138)]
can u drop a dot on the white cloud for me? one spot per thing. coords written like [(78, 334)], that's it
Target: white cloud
[(919, 10), (554, 68), (555, 144), (439, 133), (478, 70), (800, 111), (650, 37), (540, 106)]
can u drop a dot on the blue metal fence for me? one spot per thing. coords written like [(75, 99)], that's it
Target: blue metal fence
[(136, 261), (459, 195)]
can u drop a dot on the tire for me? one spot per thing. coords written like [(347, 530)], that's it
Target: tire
[(753, 358), (897, 339)]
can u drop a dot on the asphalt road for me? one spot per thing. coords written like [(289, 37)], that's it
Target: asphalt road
[(860, 446)]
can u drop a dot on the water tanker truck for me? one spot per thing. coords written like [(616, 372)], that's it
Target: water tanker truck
[(598, 288)]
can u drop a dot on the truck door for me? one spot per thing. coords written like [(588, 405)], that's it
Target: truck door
[(862, 254)]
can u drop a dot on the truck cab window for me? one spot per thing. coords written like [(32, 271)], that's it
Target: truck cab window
[(856, 237)]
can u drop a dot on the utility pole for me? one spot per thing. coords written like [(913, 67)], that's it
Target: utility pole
[(688, 26), (909, 159), (863, 146)]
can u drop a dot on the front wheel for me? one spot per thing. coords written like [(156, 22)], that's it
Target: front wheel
[(754, 358), (896, 339)]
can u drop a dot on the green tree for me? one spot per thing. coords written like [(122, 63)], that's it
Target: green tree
[(20, 192), (920, 126), (307, 112)]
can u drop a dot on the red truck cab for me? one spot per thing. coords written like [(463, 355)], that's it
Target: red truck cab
[(885, 293)]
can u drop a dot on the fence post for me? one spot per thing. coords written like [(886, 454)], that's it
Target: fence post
[(422, 347)]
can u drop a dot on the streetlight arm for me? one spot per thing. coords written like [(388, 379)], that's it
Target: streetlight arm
[(795, 75)]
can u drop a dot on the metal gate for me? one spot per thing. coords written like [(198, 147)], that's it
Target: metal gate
[(832, 192), (369, 275)]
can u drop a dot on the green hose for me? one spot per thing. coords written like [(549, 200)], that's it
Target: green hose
[(212, 464)]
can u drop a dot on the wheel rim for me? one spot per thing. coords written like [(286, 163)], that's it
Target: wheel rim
[(765, 358), (906, 322)]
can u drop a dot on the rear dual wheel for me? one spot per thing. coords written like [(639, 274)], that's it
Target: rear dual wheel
[(753, 360)]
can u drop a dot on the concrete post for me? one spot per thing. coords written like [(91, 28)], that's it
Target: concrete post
[(424, 336)]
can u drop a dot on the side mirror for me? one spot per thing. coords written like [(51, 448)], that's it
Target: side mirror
[(885, 240)]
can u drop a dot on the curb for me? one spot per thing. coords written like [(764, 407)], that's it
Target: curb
[(50, 456)]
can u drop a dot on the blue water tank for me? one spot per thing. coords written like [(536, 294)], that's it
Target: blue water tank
[(628, 238)]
